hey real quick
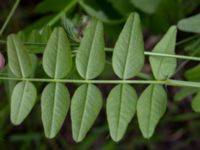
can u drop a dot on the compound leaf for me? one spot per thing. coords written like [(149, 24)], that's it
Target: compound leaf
[(55, 101), (128, 54), (85, 107), (121, 106), (90, 58), (22, 101), (57, 58), (164, 67), (150, 108)]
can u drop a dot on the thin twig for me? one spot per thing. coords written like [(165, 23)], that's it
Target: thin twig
[(9, 17)]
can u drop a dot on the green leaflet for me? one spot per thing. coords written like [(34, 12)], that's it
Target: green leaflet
[(45, 34), (55, 101), (148, 6), (196, 103), (184, 92), (85, 107), (193, 73), (90, 58), (18, 57), (190, 24), (128, 54), (38, 36), (164, 67), (57, 59), (120, 108), (9, 84), (22, 101), (21, 35), (151, 107)]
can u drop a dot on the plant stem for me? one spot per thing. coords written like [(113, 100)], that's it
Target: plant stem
[(62, 12), (9, 16), (164, 55), (173, 56), (81, 81)]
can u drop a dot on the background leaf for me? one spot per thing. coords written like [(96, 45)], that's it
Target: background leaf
[(55, 101), (57, 58), (18, 57), (193, 73), (128, 54), (102, 10), (90, 58), (85, 107), (38, 36), (121, 7), (185, 92), (162, 18), (51, 6), (22, 101), (190, 24), (147, 6), (196, 103), (120, 108), (164, 67), (150, 108)]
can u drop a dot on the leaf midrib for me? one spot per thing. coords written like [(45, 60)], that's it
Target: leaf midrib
[(149, 116), (18, 59), (57, 51), (127, 54), (84, 110), (54, 107), (91, 51), (21, 101), (119, 112), (162, 59)]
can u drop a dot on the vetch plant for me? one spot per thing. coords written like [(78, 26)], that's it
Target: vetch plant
[(59, 58)]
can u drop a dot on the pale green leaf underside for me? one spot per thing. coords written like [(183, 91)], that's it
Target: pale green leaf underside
[(164, 67), (57, 59), (151, 107), (90, 58), (128, 54), (85, 107), (196, 103), (55, 101), (18, 57), (120, 108), (22, 101), (190, 24)]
